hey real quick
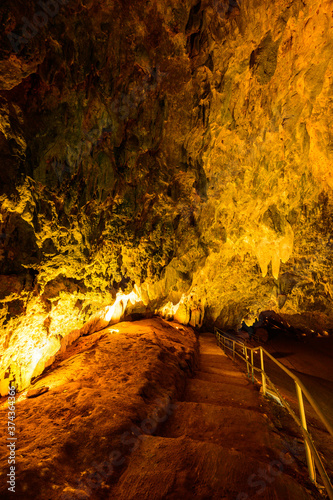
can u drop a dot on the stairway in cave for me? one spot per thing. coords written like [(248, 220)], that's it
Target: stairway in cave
[(217, 444)]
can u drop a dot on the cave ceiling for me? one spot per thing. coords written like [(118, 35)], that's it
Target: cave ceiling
[(177, 155)]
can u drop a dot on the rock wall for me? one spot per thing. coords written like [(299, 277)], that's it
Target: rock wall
[(178, 149)]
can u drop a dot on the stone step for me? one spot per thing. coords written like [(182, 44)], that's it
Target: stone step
[(237, 393), (181, 468), (240, 429), (216, 358), (218, 361), (219, 370), (220, 376)]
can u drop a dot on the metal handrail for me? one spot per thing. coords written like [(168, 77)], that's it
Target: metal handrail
[(312, 455)]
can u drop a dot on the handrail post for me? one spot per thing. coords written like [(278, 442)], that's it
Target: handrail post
[(233, 350), (309, 458), (247, 363), (263, 375), (252, 367)]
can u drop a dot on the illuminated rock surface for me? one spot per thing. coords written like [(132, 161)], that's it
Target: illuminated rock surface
[(181, 147), (103, 396)]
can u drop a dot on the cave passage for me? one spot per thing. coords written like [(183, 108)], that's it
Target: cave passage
[(167, 162)]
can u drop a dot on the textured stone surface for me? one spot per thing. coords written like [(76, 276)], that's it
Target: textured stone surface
[(107, 393), (181, 147)]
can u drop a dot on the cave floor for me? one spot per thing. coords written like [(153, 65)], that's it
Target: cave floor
[(138, 411), (311, 361), (220, 442)]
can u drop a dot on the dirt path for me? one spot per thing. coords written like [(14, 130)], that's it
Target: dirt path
[(218, 443)]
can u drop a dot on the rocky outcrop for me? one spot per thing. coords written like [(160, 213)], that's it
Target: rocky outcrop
[(101, 398), (182, 148)]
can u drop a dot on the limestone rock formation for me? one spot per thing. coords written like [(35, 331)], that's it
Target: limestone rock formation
[(180, 151)]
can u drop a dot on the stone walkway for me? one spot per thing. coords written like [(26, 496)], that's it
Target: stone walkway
[(217, 444)]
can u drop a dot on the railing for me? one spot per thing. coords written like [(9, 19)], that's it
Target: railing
[(269, 389)]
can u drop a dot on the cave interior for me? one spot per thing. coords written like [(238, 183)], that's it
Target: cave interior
[(166, 169)]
